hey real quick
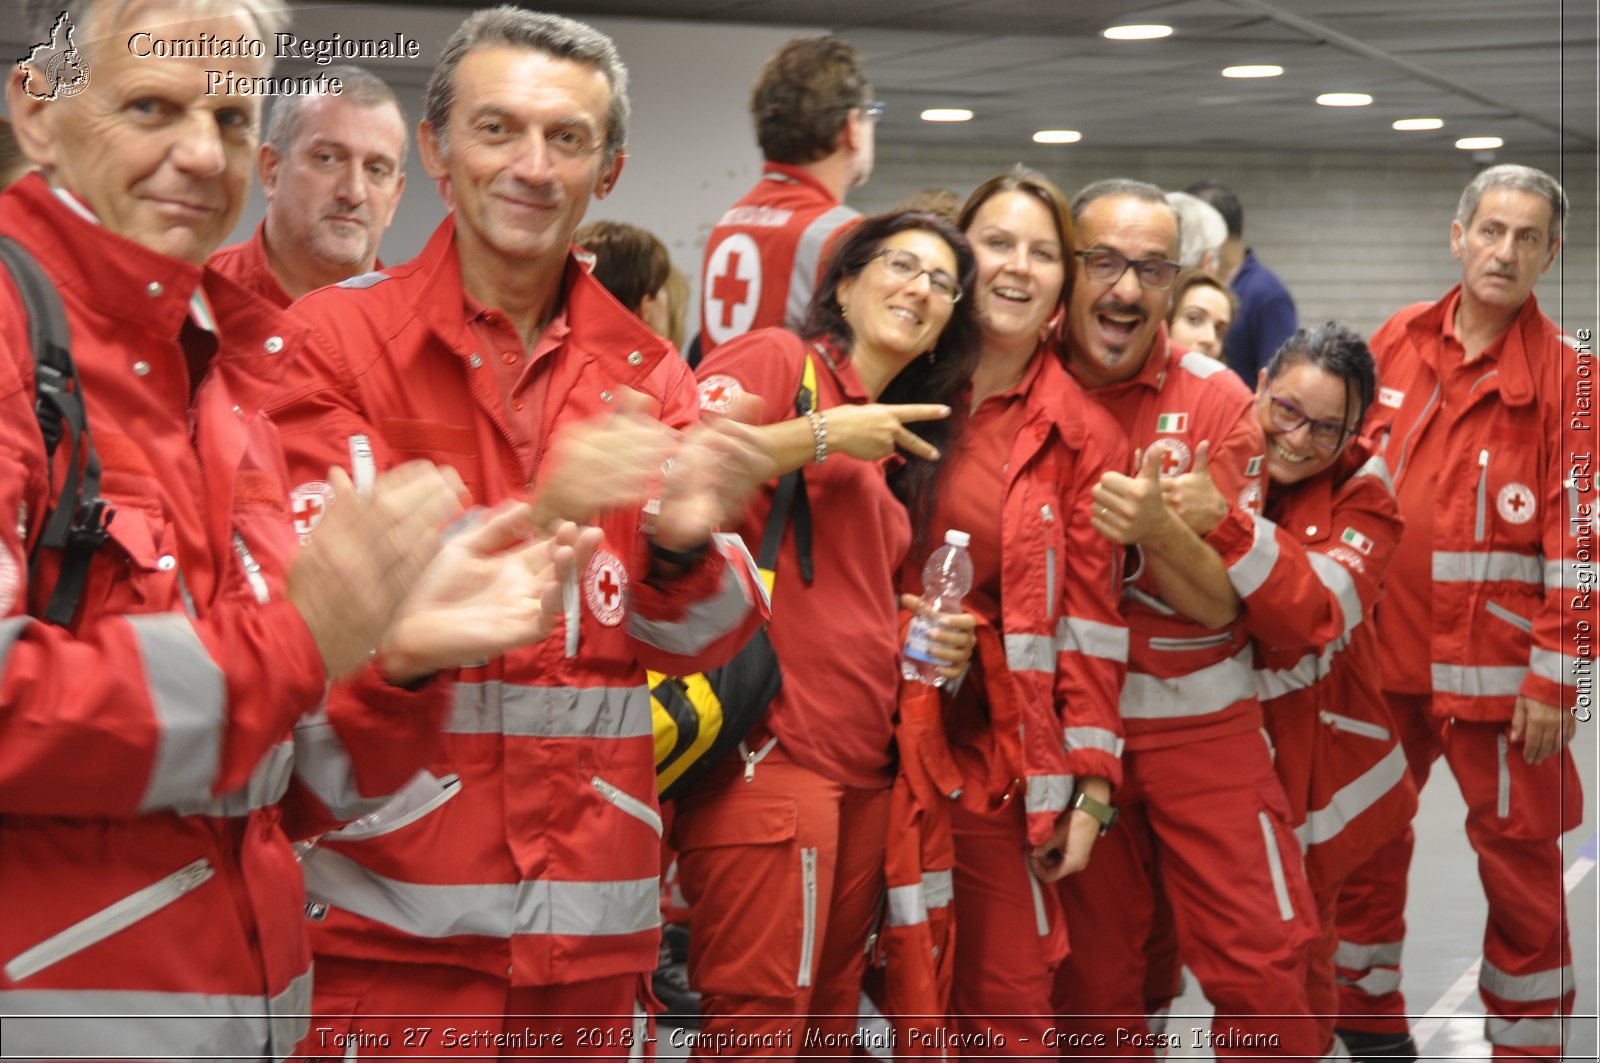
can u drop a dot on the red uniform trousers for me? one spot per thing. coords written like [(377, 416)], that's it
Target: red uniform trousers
[(783, 871), (1230, 868), (1516, 813), (374, 1009), (1010, 935)]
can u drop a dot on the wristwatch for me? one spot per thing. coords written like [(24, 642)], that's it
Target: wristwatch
[(1106, 814)]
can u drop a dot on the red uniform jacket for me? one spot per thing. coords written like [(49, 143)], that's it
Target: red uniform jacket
[(246, 264), (144, 749), (765, 255), (1513, 609), (1187, 682), (531, 849), (1308, 605)]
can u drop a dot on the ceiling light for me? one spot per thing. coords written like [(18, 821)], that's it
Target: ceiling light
[(1136, 33), (947, 114), (1408, 125), (1480, 143), (1057, 136), (1344, 99), (1262, 71)]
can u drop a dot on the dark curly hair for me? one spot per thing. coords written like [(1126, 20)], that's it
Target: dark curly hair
[(1338, 349), (803, 96), (941, 377)]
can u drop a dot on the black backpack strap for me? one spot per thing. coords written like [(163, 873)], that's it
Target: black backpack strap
[(790, 494), (78, 521)]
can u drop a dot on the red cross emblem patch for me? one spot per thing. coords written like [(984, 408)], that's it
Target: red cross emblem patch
[(604, 583), (307, 504), (733, 287), (1515, 503), (719, 392)]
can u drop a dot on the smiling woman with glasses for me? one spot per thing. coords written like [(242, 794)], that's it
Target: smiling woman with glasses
[(1336, 525)]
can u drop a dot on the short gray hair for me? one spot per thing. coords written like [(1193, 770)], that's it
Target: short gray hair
[(270, 16), (555, 35), (1143, 191), (1202, 226), (1518, 179), (360, 86)]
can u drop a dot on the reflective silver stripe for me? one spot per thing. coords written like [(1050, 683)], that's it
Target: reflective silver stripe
[(322, 762), (1211, 689), (1485, 681), (808, 930), (702, 622), (1041, 917), (1355, 957), (1203, 642), (1275, 683), (1031, 653), (1280, 885), (11, 629), (1377, 982), (1334, 576), (137, 1024), (736, 552), (1556, 667), (1569, 575), (1551, 984), (1075, 738), (541, 906), (1378, 469), (1249, 572), (1451, 566), (1478, 527), (906, 906), (1356, 797), (190, 701), (1048, 793), (363, 466), (550, 712), (265, 787), (1502, 802), (1495, 609), (1092, 638), (1510, 1033), (807, 257), (1201, 366), (938, 889)]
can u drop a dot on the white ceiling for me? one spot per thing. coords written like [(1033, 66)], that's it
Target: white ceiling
[(1523, 70)]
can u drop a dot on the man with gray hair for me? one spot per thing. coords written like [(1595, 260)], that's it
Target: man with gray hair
[(518, 877), (166, 718), (1485, 628), (1199, 796), (333, 170)]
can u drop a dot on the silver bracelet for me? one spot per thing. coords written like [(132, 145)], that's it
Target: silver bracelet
[(819, 431)]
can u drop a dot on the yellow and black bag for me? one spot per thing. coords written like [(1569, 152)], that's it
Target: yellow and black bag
[(700, 718)]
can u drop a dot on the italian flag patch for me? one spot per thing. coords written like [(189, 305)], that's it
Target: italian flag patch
[(1172, 423), (1357, 540)]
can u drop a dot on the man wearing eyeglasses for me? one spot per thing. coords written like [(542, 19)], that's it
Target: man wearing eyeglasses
[(1199, 797), (518, 877), (817, 131), (1480, 418)]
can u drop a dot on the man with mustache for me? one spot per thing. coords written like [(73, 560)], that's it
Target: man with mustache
[(333, 169), (1199, 796), (1490, 441)]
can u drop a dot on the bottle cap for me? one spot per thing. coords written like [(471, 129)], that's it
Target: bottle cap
[(958, 538)]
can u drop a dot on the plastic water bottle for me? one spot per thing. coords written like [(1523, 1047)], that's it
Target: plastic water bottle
[(946, 579)]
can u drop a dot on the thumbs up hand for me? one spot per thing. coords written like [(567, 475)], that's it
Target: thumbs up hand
[(1194, 496), (1129, 509)]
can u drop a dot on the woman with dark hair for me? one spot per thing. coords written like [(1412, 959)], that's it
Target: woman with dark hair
[(781, 850), (631, 264), (1336, 523), (1036, 791)]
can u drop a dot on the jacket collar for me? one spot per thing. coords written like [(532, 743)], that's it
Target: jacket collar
[(1513, 353), (798, 175), (1056, 395), (599, 325)]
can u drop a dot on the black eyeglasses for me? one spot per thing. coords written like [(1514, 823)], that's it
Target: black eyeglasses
[(908, 267), (1326, 436), (1107, 267)]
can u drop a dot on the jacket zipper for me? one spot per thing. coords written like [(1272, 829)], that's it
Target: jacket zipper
[(1498, 610), (363, 467), (252, 571), (1483, 492), (1354, 726), (1041, 918), (1201, 643), (1280, 884), (626, 802), (1405, 443), (808, 928), (1049, 518), (102, 924), (400, 811), (752, 757)]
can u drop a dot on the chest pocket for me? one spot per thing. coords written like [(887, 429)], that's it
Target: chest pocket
[(1507, 496), (136, 571)]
